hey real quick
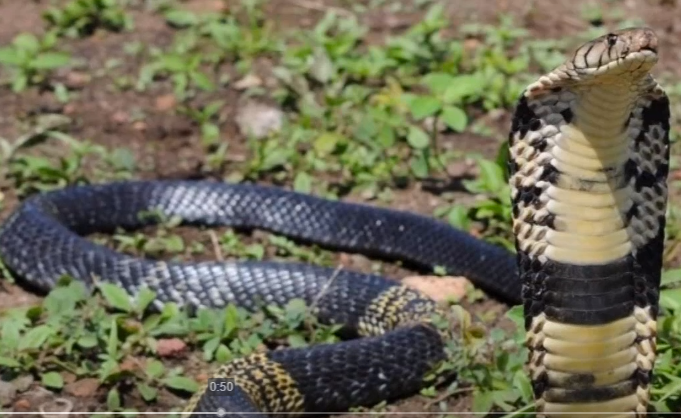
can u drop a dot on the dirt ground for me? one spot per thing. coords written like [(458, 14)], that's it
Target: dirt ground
[(167, 145)]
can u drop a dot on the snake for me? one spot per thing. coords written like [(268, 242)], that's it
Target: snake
[(588, 159), (588, 166)]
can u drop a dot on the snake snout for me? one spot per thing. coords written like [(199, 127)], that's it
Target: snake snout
[(648, 41)]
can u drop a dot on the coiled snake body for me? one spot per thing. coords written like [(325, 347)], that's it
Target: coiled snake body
[(588, 165)]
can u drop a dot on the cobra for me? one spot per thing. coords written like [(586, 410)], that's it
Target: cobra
[(588, 158)]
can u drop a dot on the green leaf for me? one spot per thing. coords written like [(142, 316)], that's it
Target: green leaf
[(438, 82), (419, 165), (182, 383), (50, 61), (144, 297), (147, 392), (212, 108), (210, 133), (455, 118), (462, 87), (671, 299), (223, 354), (172, 244), (522, 383), (386, 136), (112, 342), (173, 63), (113, 400), (458, 217), (417, 138), (155, 369), (491, 178), (671, 276), (202, 81), (52, 380), (9, 56), (10, 334), (516, 315), (181, 18), (482, 401), (209, 348), (322, 68), (255, 251), (9, 362), (116, 296), (87, 341), (61, 92), (297, 340), (19, 83), (295, 310), (326, 143), (302, 183), (424, 106), (27, 41), (36, 337), (231, 320)]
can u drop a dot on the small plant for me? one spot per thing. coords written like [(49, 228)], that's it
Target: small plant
[(206, 118), (183, 64), (107, 335), (30, 60), (83, 17)]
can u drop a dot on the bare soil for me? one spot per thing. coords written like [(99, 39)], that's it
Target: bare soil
[(167, 144)]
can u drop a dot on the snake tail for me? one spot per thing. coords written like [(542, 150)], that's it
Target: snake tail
[(332, 378), (589, 159)]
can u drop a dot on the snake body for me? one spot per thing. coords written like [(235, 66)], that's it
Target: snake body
[(589, 159), (43, 241), (588, 163)]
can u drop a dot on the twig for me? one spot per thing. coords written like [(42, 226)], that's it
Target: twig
[(322, 292), (447, 395), (216, 245)]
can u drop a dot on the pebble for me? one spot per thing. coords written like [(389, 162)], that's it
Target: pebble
[(165, 102), (7, 393), (76, 80), (258, 119), (250, 80), (22, 405), (22, 383), (82, 388)]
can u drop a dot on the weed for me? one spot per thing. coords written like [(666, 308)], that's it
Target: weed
[(83, 17), (31, 59)]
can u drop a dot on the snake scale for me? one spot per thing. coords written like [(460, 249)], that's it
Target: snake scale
[(588, 164)]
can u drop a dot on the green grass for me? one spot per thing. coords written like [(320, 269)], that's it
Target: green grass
[(362, 119)]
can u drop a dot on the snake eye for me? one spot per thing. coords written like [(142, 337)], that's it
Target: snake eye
[(612, 39)]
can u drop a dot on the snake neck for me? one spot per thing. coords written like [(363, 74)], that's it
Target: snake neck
[(589, 198), (601, 115)]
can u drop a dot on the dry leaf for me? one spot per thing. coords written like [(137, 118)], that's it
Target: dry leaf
[(82, 388)]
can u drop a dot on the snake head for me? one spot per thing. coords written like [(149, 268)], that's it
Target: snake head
[(622, 59), (629, 53)]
